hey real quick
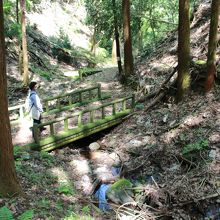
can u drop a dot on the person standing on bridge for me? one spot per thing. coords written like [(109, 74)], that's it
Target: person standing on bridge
[(35, 106)]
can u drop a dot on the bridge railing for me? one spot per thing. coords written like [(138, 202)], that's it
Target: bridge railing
[(59, 102), (84, 118), (65, 101)]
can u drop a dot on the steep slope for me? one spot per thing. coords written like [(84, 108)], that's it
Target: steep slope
[(154, 68), (170, 153), (59, 18)]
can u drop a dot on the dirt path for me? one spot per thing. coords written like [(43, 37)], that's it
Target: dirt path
[(22, 133)]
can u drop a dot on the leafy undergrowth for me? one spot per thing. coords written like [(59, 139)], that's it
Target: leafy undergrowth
[(169, 153)]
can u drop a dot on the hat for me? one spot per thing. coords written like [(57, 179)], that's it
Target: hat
[(32, 85)]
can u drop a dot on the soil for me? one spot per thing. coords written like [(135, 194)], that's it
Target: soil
[(149, 146), (170, 152)]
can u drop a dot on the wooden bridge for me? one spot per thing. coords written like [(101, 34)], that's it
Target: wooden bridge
[(74, 125)]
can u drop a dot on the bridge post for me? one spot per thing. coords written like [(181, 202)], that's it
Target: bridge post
[(80, 120), (124, 105), (133, 101), (114, 109), (66, 124), (103, 112), (99, 91), (47, 106), (91, 116), (21, 112), (70, 100), (51, 129), (90, 94), (58, 104), (80, 97)]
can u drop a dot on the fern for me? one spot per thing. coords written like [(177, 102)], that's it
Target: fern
[(195, 147), (5, 214), (27, 215)]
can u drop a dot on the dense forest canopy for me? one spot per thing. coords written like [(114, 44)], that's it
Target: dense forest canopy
[(151, 20)]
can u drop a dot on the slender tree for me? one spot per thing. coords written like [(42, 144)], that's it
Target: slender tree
[(118, 53), (183, 79), (211, 57), (8, 181), (17, 11), (128, 57), (24, 68)]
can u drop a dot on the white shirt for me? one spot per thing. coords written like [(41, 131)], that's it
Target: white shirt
[(35, 105)]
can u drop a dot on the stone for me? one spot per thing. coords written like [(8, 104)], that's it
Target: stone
[(94, 146), (116, 159), (120, 192), (212, 154)]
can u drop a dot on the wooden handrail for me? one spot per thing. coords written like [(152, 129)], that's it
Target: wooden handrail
[(46, 101), (80, 114), (73, 93)]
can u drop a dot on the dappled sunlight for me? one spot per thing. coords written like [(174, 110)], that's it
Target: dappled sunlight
[(61, 175), (55, 18), (187, 123), (82, 172), (196, 120), (165, 64), (80, 167), (22, 133), (71, 73), (112, 85)]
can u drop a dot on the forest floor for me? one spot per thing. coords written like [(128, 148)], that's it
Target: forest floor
[(170, 152)]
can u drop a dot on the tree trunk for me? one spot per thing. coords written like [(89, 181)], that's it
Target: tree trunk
[(9, 185), (17, 11), (128, 57), (24, 45), (118, 53), (183, 79), (211, 57), (93, 42)]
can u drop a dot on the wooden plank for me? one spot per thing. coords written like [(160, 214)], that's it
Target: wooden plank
[(70, 135), (56, 141)]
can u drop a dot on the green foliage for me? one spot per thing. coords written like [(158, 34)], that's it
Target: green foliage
[(62, 41), (47, 159), (149, 20), (195, 147), (101, 54), (37, 70), (44, 203), (5, 214), (74, 216), (20, 153), (66, 189), (200, 62), (27, 215), (120, 184), (139, 106), (86, 210), (7, 7), (88, 71), (45, 155), (13, 30)]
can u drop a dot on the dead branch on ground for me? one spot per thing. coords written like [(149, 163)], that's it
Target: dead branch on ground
[(160, 92)]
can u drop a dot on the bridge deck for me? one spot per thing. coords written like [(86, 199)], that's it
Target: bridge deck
[(74, 126)]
